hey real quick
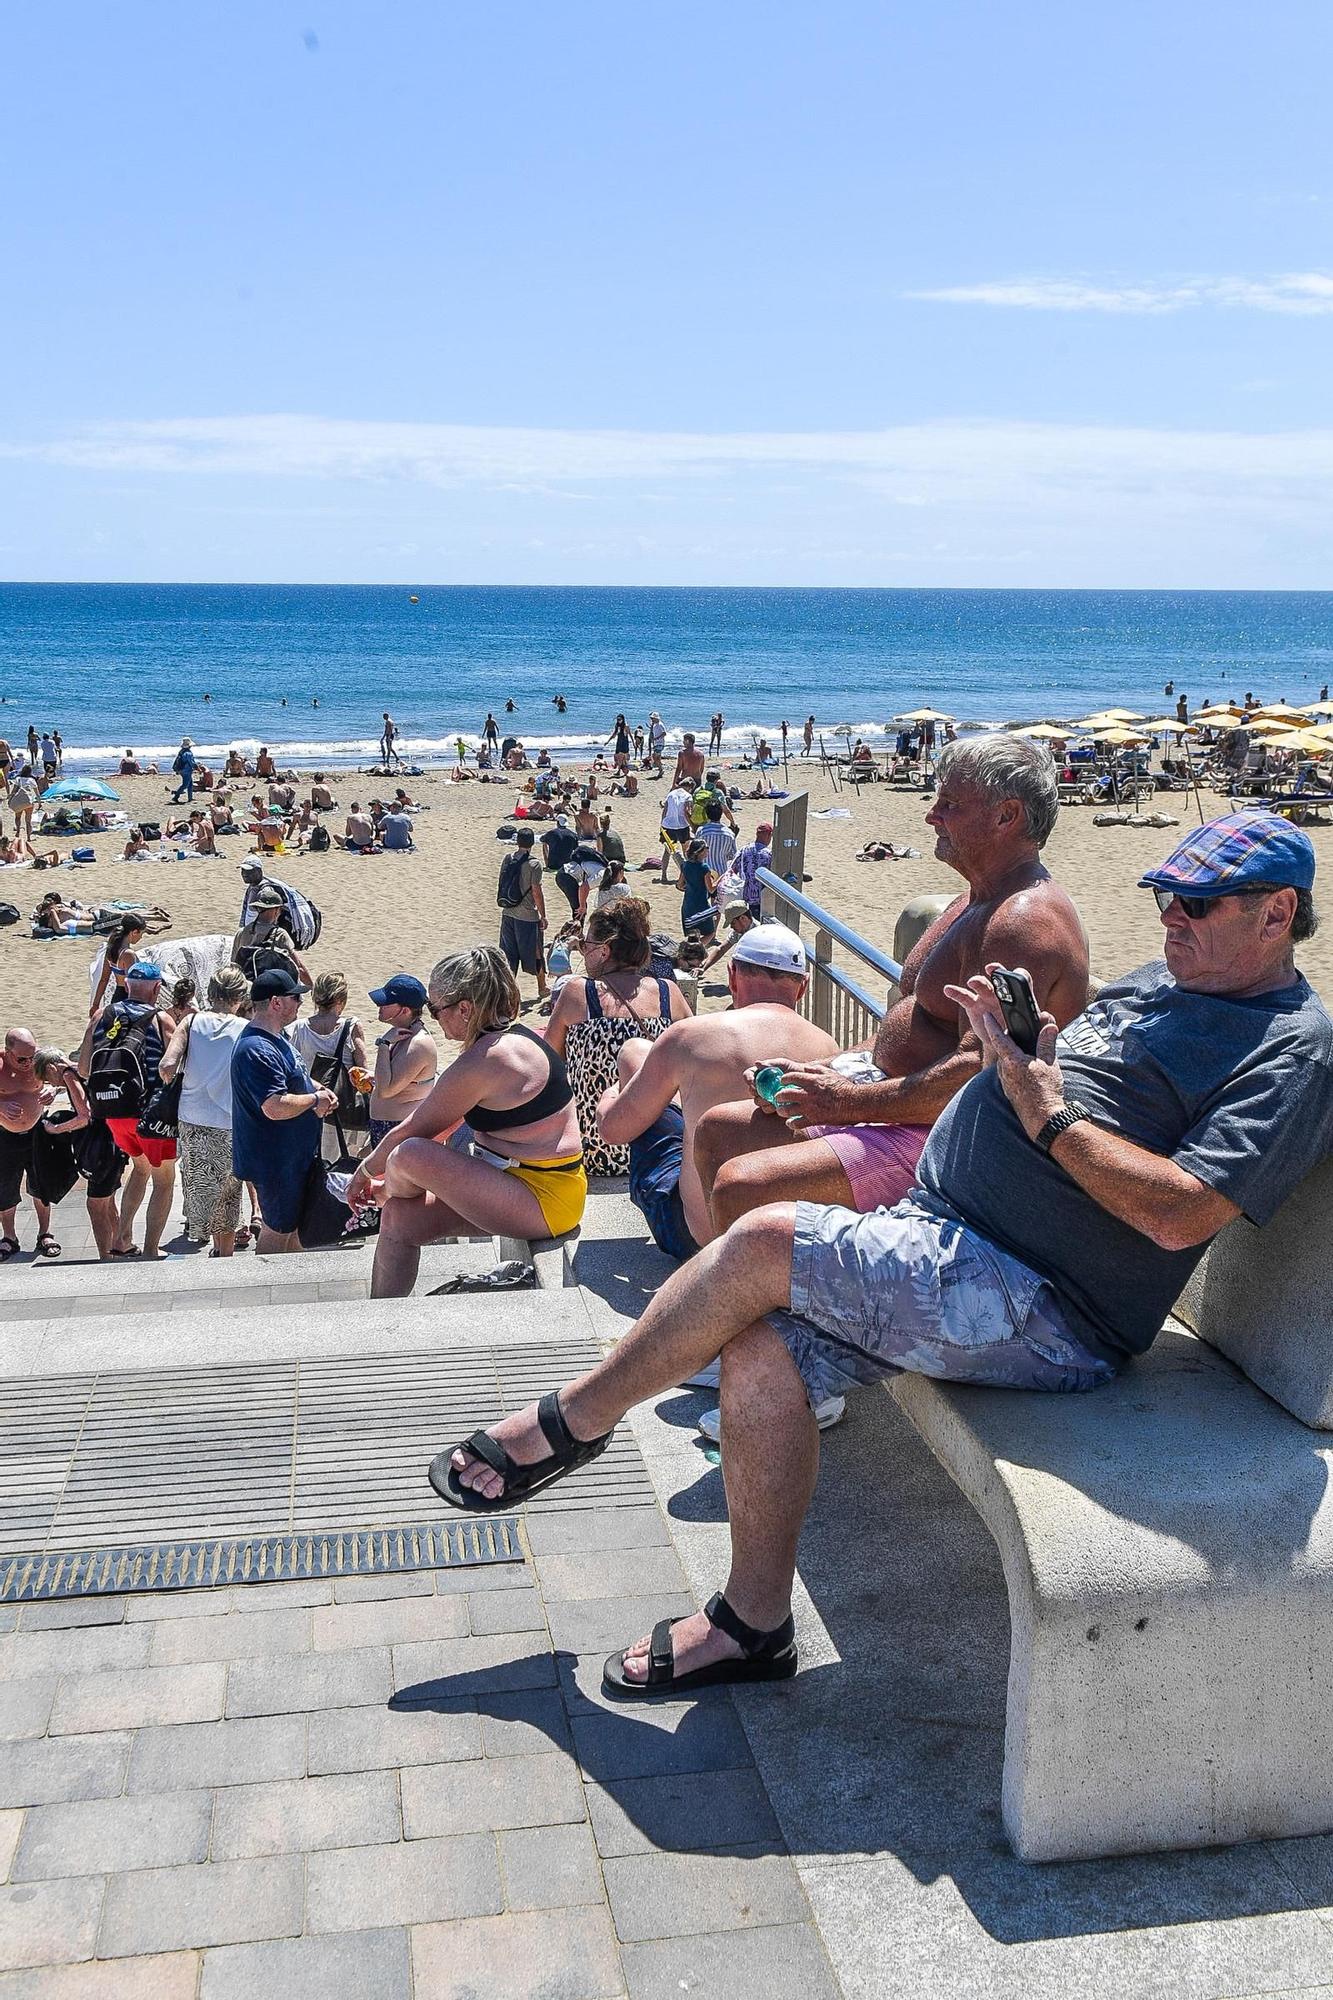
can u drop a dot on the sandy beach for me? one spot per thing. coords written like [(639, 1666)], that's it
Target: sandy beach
[(392, 912)]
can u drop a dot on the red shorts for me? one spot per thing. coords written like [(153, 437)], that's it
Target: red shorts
[(156, 1151)]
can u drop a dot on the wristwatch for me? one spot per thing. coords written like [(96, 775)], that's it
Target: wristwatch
[(1058, 1122)]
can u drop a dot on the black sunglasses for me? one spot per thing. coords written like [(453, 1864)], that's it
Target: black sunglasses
[(1196, 908)]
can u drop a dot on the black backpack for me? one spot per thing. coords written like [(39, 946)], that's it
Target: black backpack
[(319, 841), (511, 891), (120, 1071)]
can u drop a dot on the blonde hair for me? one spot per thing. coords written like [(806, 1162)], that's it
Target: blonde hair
[(329, 989), (481, 976), (227, 987)]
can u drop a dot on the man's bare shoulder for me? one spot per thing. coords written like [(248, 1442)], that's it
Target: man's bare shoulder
[(1041, 912)]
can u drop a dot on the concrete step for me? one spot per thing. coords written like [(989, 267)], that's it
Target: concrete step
[(195, 1281), (232, 1334)]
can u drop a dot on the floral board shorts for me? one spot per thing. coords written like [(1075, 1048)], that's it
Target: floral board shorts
[(911, 1289)]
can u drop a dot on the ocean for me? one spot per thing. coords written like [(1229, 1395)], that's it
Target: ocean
[(309, 669)]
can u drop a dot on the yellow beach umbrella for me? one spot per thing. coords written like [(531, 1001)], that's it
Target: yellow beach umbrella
[(1321, 708), (1279, 711), (1211, 714), (1302, 740), (1044, 732), (1225, 721), (1167, 725), (1119, 735), (923, 715)]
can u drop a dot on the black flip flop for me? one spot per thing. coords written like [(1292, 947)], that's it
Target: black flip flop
[(568, 1453), (765, 1656)]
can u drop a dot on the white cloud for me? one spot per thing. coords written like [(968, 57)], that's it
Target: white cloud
[(1298, 292)]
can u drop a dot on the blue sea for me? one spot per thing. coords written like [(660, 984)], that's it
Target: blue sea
[(309, 669)]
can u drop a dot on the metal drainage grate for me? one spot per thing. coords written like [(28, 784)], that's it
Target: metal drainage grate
[(204, 1565)]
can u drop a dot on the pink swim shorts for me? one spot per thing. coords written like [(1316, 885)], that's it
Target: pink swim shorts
[(878, 1160)]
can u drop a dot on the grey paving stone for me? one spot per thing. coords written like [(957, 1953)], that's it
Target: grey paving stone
[(550, 1868), (781, 1961), (298, 1815), (49, 1923), (494, 1611), (371, 1589), (416, 1882), (165, 1976), (137, 1698), (635, 1744), (586, 1530), (100, 1836), (521, 1725), (583, 1693), (234, 1636), (97, 1649), (683, 1895), (176, 1604), (625, 1573), (311, 1681), (65, 1613), (489, 1794), (527, 1955), (217, 1753), (343, 1627), (25, 1706), (488, 1577), (281, 1596), (47, 1770), (717, 1809), (606, 1624), (456, 1669), (370, 1739), (360, 1965), (11, 1825), (217, 1902)]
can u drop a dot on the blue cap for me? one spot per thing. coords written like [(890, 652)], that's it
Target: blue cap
[(143, 968), (1238, 851), (400, 991)]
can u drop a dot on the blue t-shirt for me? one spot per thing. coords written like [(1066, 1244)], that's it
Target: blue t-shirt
[(1239, 1093), (695, 904), (268, 1149)]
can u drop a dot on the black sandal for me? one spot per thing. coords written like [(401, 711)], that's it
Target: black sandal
[(46, 1245), (765, 1656), (9, 1247), (568, 1453)]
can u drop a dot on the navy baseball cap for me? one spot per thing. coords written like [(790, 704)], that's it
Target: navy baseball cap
[(400, 991), (1240, 850), (275, 984)]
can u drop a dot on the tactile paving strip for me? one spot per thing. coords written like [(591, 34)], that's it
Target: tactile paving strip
[(122, 1459), (28, 1579)]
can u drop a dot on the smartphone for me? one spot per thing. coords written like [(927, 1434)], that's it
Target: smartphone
[(1018, 1004)]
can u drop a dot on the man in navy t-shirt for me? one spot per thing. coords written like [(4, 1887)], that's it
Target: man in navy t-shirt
[(276, 1110)]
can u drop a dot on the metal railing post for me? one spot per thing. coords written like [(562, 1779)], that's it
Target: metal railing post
[(822, 1011)]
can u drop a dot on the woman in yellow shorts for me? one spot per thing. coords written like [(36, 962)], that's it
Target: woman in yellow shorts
[(522, 1172)]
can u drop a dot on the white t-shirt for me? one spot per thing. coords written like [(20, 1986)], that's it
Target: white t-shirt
[(676, 812), (206, 1084)]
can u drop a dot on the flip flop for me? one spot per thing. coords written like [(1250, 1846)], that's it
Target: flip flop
[(765, 1656), (567, 1454)]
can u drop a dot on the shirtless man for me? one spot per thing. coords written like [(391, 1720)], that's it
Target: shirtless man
[(321, 798), (704, 1060), (689, 763), (23, 1103), (832, 1138), (359, 831)]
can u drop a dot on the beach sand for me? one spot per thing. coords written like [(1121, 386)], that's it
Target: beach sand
[(389, 913)]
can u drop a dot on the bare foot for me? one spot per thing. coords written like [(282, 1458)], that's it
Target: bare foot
[(695, 1642), (522, 1437)]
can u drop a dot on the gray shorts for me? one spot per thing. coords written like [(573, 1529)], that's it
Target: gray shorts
[(909, 1289)]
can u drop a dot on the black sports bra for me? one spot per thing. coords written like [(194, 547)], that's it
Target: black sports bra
[(554, 1094)]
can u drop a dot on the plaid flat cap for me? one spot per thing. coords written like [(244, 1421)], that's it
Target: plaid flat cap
[(1237, 851)]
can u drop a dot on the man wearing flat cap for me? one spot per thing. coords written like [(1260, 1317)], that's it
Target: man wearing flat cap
[(1061, 1202)]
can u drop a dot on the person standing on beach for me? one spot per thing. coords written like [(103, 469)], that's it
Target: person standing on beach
[(690, 762), (808, 734), (23, 796), (620, 737), (784, 740), (523, 911), (388, 740), (275, 1111), (656, 742), (23, 1101), (183, 766), (715, 728), (490, 734)]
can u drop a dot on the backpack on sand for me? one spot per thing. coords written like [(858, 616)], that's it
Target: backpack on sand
[(511, 892), (118, 1071)]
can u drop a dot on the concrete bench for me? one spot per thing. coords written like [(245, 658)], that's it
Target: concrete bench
[(1167, 1543)]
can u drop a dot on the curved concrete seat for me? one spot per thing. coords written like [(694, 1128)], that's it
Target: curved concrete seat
[(1167, 1543)]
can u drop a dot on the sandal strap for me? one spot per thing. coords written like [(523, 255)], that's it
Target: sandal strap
[(483, 1446), (553, 1426), (755, 1645), (661, 1654)]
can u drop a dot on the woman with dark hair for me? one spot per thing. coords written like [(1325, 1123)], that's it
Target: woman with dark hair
[(121, 951), (620, 737), (697, 881), (622, 1000)]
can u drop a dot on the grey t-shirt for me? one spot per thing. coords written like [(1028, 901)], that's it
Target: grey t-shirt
[(1237, 1092)]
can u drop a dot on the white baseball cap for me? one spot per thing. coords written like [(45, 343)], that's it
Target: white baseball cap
[(773, 946)]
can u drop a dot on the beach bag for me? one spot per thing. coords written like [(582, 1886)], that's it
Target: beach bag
[(325, 1217), (319, 842), (330, 1072), (511, 892), (151, 829), (8, 914), (160, 1117), (118, 1077), (304, 921), (84, 854), (54, 1168)]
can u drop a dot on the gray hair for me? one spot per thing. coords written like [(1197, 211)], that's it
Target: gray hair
[(1009, 767), (227, 988)]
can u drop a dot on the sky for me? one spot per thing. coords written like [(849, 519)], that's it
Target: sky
[(971, 294)]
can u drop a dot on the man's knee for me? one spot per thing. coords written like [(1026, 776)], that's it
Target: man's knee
[(761, 1241), (759, 1361)]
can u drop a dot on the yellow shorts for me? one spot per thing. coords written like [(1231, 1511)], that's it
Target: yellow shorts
[(561, 1188)]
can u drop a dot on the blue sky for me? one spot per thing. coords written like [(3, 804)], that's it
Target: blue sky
[(955, 294)]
